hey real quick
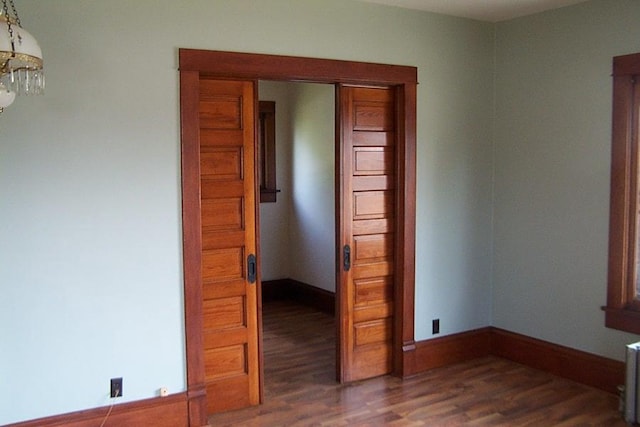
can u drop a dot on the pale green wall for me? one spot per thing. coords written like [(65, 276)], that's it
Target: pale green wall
[(275, 253), (90, 234), (312, 214), (297, 232), (552, 157)]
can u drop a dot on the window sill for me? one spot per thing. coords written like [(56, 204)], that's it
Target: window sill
[(622, 319), (268, 195)]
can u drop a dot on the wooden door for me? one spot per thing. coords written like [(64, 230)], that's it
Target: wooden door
[(367, 199), (229, 245)]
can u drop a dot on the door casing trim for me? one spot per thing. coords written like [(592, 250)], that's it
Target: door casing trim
[(195, 64)]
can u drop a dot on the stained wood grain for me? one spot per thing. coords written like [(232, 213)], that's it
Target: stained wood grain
[(367, 225), (227, 210)]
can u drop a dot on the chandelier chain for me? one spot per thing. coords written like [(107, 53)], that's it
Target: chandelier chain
[(15, 13), (5, 10)]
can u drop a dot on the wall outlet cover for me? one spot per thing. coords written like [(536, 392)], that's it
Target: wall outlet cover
[(116, 387)]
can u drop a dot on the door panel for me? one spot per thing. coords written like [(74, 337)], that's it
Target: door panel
[(228, 209), (367, 197)]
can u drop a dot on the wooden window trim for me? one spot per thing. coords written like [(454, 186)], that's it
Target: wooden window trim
[(623, 307), (267, 151)]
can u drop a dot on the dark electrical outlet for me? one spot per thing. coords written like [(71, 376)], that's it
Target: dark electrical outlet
[(116, 387), (435, 326)]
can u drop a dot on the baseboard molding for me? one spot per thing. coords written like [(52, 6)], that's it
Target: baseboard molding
[(170, 411), (290, 289), (586, 368), (452, 349), (275, 290)]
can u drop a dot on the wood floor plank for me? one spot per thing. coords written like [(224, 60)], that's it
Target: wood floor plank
[(300, 388)]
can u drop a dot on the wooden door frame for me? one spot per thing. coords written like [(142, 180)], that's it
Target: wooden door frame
[(195, 64)]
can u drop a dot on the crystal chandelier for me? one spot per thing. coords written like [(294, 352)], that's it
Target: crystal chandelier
[(21, 69)]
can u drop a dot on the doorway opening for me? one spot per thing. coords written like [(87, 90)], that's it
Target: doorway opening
[(297, 231), (297, 235), (375, 151)]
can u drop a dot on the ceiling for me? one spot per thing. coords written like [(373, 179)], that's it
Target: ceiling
[(483, 10)]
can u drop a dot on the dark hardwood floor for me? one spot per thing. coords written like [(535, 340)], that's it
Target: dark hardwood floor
[(300, 388)]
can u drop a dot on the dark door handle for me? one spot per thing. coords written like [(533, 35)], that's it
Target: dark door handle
[(346, 258), (252, 269)]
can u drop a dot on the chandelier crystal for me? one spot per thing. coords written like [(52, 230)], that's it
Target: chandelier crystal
[(21, 65)]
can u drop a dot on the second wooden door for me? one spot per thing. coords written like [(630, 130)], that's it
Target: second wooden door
[(367, 199)]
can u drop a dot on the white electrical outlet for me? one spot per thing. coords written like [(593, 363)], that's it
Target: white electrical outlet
[(164, 392)]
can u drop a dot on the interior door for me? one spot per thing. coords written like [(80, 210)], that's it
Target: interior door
[(226, 111), (367, 150)]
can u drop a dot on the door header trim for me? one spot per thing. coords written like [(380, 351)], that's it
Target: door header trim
[(290, 68)]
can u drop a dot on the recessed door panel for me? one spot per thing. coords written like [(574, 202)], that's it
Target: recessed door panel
[(223, 164)]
